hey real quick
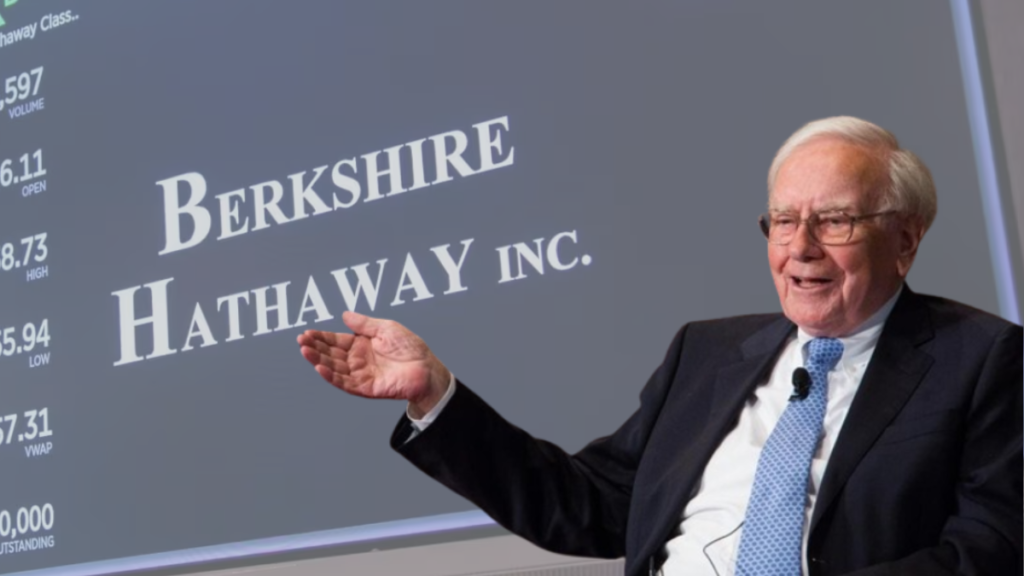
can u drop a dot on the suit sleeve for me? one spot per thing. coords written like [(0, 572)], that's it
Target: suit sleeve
[(984, 537), (568, 504)]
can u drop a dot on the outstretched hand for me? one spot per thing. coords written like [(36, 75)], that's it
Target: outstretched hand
[(380, 359)]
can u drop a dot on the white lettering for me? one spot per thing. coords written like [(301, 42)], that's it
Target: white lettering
[(364, 285), (128, 322), (234, 329), (303, 194), (198, 327), (442, 158), (535, 259), (312, 302), (523, 250), (229, 214), (553, 258), (263, 310), (373, 173), (506, 267), (419, 179), (188, 221), (265, 207), (491, 148), (347, 183), (453, 270), (411, 279), (172, 212)]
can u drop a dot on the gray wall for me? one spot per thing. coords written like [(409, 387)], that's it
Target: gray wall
[(1003, 24)]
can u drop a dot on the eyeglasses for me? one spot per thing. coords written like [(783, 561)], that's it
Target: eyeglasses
[(826, 228)]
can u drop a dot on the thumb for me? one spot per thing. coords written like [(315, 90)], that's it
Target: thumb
[(361, 324)]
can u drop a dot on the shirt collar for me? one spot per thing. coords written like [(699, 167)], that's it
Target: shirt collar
[(859, 344)]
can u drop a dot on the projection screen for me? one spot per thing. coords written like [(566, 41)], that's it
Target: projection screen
[(544, 191)]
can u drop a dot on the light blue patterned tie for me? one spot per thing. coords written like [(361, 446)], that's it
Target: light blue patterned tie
[(773, 529)]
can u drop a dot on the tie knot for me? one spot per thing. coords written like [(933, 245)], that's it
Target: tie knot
[(825, 352)]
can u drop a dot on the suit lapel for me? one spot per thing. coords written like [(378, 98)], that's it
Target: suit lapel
[(734, 384), (895, 370)]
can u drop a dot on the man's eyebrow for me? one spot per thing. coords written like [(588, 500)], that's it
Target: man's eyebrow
[(826, 208), (837, 208)]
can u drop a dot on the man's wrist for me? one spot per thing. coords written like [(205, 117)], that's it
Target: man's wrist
[(439, 382), (420, 417)]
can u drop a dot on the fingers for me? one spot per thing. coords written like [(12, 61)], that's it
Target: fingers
[(343, 360), (326, 350), (343, 382), (361, 324), (338, 380), (332, 339), (318, 359)]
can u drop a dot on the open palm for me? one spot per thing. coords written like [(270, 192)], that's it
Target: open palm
[(380, 359)]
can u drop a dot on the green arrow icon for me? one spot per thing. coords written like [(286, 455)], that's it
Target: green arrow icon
[(6, 4)]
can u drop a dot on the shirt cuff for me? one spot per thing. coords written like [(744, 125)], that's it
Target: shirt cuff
[(428, 418)]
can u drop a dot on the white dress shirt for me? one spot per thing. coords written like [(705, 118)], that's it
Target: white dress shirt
[(712, 523)]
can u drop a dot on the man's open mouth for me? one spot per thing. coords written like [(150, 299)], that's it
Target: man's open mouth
[(810, 281)]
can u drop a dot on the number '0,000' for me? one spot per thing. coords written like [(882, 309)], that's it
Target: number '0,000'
[(28, 520)]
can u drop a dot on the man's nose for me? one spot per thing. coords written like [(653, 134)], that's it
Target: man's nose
[(803, 246)]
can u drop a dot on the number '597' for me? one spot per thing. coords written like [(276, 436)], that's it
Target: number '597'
[(21, 86)]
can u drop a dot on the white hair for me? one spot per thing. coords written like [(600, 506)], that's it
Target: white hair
[(910, 190)]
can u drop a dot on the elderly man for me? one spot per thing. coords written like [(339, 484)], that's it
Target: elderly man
[(867, 430)]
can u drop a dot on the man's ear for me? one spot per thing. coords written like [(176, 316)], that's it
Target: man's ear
[(910, 234)]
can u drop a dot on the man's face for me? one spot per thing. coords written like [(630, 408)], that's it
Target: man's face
[(831, 290)]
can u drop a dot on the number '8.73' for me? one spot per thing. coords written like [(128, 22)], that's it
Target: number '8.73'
[(32, 248)]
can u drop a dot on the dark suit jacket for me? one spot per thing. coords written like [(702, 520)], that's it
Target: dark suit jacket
[(925, 477)]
